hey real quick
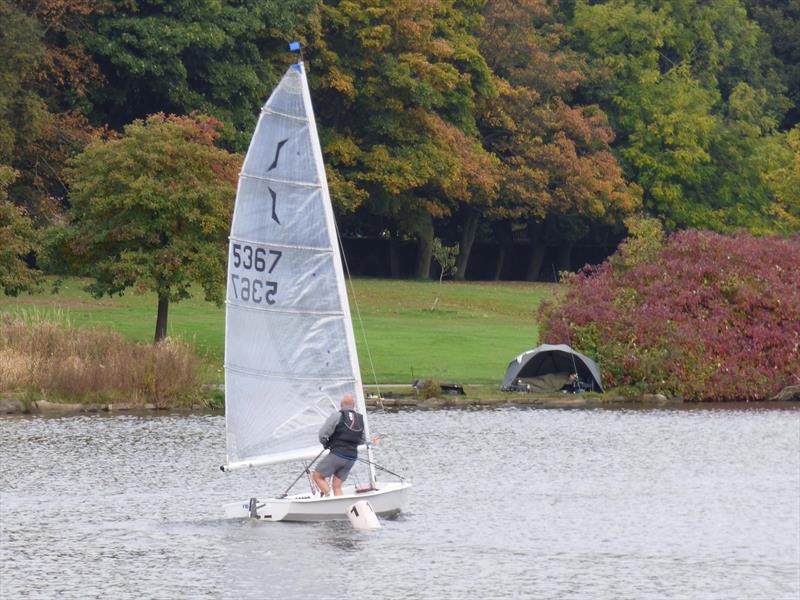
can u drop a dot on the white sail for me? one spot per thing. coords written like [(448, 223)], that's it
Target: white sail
[(290, 353)]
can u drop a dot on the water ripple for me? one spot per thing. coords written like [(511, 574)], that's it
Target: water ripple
[(506, 503)]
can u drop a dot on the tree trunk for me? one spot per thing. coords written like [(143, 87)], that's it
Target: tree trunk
[(502, 231), (425, 248), (394, 254), (538, 247), (565, 255), (467, 239), (161, 320), (498, 265), (438, 291)]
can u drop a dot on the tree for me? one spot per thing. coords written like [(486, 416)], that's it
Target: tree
[(784, 181), (780, 20), (559, 175), (45, 144), (151, 211), (397, 85), (693, 92), (66, 71), (43, 76), (20, 52), (645, 240), (17, 239), (212, 56), (668, 150), (446, 257)]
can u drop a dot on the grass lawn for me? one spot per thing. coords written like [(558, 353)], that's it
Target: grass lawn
[(477, 329)]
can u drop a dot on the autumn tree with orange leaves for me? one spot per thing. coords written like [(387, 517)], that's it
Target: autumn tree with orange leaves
[(397, 89), (42, 120), (559, 174)]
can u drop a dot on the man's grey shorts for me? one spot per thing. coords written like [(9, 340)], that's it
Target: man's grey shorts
[(335, 465)]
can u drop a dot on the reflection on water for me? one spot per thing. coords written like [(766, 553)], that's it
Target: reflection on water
[(506, 503)]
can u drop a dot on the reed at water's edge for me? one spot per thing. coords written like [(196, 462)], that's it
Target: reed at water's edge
[(46, 359)]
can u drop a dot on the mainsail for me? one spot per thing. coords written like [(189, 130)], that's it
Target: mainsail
[(290, 353)]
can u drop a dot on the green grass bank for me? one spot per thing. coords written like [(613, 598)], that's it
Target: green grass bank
[(476, 330)]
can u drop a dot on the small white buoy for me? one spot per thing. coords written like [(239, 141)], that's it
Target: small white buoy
[(362, 516)]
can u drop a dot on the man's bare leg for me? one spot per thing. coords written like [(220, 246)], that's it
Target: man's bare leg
[(321, 482), (337, 486)]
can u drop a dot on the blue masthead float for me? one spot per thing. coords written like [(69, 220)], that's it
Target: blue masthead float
[(295, 47)]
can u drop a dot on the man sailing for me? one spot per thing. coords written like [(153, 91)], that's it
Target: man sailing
[(341, 434)]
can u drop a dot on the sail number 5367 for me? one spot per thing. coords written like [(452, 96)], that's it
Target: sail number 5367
[(253, 290), (248, 258), (261, 260)]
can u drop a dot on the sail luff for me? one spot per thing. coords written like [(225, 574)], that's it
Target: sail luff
[(226, 371)]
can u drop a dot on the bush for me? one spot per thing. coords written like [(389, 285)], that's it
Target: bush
[(428, 388), (58, 361), (214, 398), (709, 317)]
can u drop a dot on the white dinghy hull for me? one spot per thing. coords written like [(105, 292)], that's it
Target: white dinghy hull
[(388, 499)]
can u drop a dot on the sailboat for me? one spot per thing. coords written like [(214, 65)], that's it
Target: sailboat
[(290, 353)]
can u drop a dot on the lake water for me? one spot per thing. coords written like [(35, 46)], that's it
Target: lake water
[(687, 503)]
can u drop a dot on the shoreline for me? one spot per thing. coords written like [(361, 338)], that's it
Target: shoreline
[(12, 407)]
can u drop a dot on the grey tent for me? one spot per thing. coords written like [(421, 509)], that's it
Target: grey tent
[(547, 368)]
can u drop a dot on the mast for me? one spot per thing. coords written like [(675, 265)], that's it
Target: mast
[(330, 219)]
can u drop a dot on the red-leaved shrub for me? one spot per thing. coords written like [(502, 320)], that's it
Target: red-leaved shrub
[(709, 317)]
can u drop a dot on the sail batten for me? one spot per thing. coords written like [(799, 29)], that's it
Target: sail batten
[(279, 375), (284, 115), (285, 311), (282, 181), (280, 245), (289, 347)]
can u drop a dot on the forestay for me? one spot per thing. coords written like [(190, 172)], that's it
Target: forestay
[(289, 348)]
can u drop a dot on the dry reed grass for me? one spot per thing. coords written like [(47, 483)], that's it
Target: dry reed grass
[(45, 356)]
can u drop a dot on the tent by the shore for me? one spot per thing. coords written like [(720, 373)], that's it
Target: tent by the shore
[(552, 368)]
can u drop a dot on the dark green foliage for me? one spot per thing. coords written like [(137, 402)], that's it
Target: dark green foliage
[(780, 20), (42, 75), (20, 51), (150, 210), (178, 57), (17, 239)]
